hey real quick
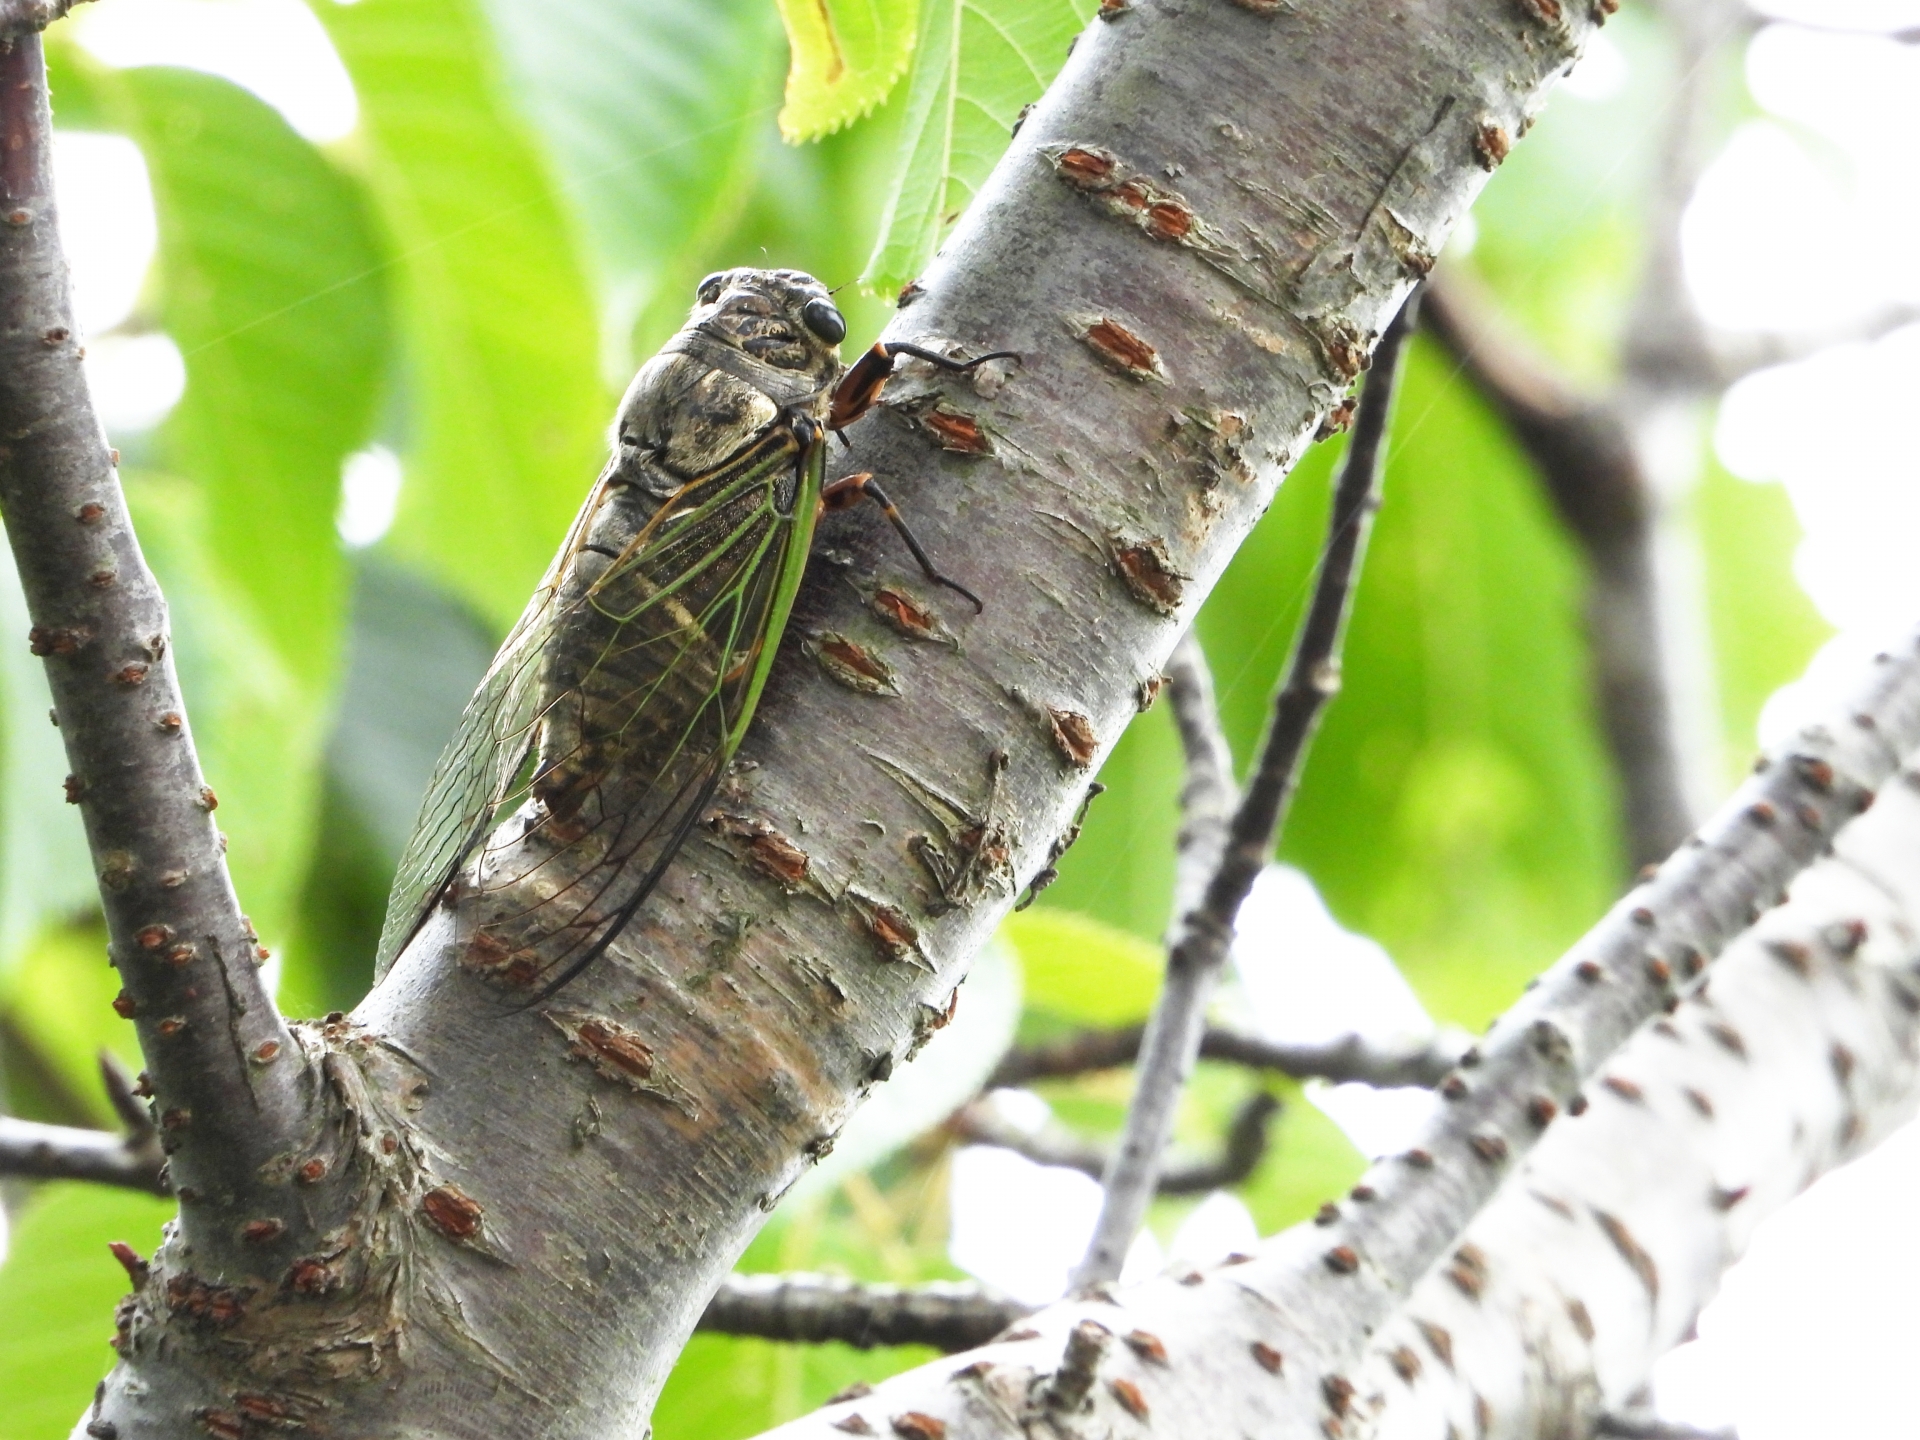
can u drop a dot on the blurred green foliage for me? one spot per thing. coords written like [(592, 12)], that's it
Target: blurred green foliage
[(468, 279)]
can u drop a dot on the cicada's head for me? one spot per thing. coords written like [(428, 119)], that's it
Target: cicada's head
[(783, 318)]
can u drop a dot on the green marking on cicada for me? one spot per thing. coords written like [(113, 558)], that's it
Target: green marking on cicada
[(599, 733)]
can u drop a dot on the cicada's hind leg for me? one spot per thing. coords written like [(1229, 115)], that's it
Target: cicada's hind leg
[(852, 489), (860, 387)]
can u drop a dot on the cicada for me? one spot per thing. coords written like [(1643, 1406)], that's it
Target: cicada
[(595, 741)]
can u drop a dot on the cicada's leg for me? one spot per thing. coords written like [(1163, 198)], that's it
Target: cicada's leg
[(852, 489), (860, 387)]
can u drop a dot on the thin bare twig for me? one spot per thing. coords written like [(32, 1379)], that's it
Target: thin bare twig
[(813, 1309), (1345, 1059), (1622, 1427), (223, 1065), (32, 1151), (1207, 793), (1245, 1146), (1205, 932)]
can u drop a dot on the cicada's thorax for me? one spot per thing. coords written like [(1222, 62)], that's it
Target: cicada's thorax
[(709, 437)]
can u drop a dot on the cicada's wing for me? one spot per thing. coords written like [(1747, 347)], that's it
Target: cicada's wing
[(649, 671), (473, 782)]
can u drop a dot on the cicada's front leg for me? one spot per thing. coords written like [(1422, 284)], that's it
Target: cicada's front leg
[(860, 387), (852, 489)]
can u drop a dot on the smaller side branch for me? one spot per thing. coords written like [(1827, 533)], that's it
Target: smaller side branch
[(981, 1123), (813, 1309), (229, 1079), (1349, 1058), (32, 1151), (1204, 933)]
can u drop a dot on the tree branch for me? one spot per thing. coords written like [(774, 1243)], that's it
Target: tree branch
[(32, 1151), (1207, 791), (814, 1309), (1585, 457), (1299, 1312), (232, 1087), (1348, 1058), (1244, 1146), (1204, 933)]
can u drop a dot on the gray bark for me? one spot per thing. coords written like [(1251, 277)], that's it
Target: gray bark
[(521, 1212), (1288, 1342)]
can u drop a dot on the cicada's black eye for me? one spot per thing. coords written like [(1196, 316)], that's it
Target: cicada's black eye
[(711, 287), (825, 321)]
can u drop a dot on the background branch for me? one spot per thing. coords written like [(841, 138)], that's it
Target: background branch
[(813, 1309), (1242, 1149), (32, 1151), (1204, 933), (1297, 1309), (1349, 1058)]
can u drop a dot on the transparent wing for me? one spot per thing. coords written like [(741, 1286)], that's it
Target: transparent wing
[(609, 717), (475, 774)]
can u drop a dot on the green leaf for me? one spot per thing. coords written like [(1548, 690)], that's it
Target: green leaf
[(1763, 627), (259, 727), (976, 64), (657, 117), (59, 999), (506, 406), (58, 1288), (45, 870), (1457, 805), (270, 279), (1082, 971), (1309, 1161), (847, 54), (724, 1387), (272, 283)]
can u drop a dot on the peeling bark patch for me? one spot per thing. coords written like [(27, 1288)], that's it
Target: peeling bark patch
[(1149, 576), (1129, 1396), (1338, 420), (1582, 1321), (1117, 347), (890, 927), (1268, 1358), (617, 1053), (1638, 1260), (1337, 1391), (766, 849), (453, 1212), (1728, 1038), (1626, 1089), (1073, 736), (855, 1424), (918, 1425), (1342, 1260), (486, 954), (952, 429), (1130, 196), (217, 1307), (1491, 145), (1547, 12), (1489, 1147), (849, 663), (1147, 1346), (1405, 1363), (909, 616), (1468, 1271), (1438, 1340)]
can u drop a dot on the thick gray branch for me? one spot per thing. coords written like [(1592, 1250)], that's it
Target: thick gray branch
[(1277, 1346), (231, 1088), (813, 1309), (1348, 1058), (1203, 934)]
